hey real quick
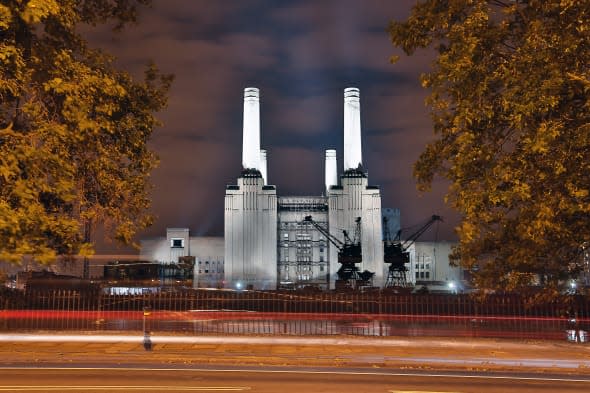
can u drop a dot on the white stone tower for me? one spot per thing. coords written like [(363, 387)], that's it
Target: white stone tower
[(354, 198), (251, 213), (353, 158), (331, 169), (263, 169)]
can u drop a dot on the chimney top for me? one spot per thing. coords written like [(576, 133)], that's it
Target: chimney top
[(351, 92), (251, 92)]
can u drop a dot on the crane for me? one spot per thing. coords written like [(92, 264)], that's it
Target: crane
[(396, 254), (349, 255)]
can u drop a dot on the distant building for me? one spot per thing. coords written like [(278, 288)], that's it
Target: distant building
[(206, 251), (430, 262), (391, 221)]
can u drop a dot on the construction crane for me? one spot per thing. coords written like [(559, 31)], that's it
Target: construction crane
[(349, 255), (396, 254)]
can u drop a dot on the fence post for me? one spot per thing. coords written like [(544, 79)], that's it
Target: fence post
[(147, 342)]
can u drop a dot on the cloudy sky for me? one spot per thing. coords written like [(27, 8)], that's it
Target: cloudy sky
[(301, 54)]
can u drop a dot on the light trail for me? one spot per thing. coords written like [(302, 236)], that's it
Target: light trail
[(548, 328), (418, 391), (287, 340), (125, 388), (457, 375)]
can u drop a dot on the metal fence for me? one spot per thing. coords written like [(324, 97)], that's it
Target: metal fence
[(376, 313)]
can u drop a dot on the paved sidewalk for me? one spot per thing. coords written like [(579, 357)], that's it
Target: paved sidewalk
[(344, 351)]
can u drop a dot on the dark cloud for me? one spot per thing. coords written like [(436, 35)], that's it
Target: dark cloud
[(301, 54)]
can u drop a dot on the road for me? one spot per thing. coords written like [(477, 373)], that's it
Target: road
[(268, 380), (111, 363)]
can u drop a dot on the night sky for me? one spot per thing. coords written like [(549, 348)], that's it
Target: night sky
[(301, 55)]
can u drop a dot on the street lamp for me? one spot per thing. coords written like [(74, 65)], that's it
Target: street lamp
[(452, 286)]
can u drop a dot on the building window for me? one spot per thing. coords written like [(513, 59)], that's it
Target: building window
[(321, 258), (321, 268), (177, 243)]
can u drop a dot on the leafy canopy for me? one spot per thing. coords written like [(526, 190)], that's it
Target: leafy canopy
[(73, 130), (510, 90)]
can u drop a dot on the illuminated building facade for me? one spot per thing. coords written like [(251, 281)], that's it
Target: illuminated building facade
[(268, 244)]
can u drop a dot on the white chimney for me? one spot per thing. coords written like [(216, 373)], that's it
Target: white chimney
[(263, 166), (251, 137), (331, 169), (352, 129)]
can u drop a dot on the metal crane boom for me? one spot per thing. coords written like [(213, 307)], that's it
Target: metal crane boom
[(331, 238), (395, 252), (412, 238)]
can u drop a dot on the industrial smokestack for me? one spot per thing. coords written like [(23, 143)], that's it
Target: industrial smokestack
[(331, 169), (251, 137), (352, 129), (263, 170)]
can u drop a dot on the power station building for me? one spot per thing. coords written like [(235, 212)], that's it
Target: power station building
[(288, 242), (268, 242)]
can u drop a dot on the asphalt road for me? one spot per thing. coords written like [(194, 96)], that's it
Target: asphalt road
[(267, 380)]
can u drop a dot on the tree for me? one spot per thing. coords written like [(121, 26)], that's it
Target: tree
[(73, 130), (509, 100)]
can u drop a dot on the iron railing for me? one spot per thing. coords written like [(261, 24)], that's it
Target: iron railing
[(376, 313)]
